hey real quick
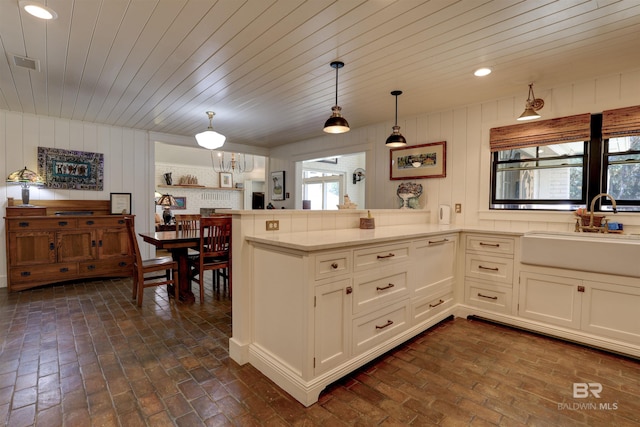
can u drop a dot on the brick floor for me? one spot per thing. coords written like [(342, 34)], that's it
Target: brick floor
[(83, 354)]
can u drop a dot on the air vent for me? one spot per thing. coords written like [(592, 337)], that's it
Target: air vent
[(28, 63)]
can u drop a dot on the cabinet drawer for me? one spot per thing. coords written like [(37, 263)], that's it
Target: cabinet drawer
[(490, 244), (102, 222), (487, 296), (20, 224), (424, 308), (53, 272), (115, 267), (380, 256), (332, 264), (375, 328), (379, 288), (490, 268)]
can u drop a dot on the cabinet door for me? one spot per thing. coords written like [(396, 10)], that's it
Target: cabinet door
[(332, 324), (113, 243), (612, 310), (31, 247), (434, 265), (551, 299), (76, 245)]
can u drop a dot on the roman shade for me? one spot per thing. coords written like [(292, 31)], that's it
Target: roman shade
[(544, 132), (621, 122)]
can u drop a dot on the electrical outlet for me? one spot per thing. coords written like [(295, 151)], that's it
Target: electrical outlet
[(273, 225), (458, 207)]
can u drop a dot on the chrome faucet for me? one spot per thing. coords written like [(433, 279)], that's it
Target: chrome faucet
[(593, 205)]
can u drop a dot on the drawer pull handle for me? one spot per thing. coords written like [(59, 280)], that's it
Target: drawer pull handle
[(389, 323), (389, 286), (493, 245), (436, 304), (482, 267), (391, 255), (438, 242), (62, 223), (334, 265), (51, 246), (64, 270), (349, 290), (23, 224), (122, 264), (100, 243), (25, 273), (93, 243), (121, 221), (90, 222), (487, 296), (91, 267)]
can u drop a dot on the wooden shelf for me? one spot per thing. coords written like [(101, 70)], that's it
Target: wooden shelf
[(200, 187)]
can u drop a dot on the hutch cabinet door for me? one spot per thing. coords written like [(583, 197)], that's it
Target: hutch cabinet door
[(113, 243), (76, 245), (31, 247)]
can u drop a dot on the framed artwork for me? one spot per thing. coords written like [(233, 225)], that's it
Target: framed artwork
[(181, 203), (277, 185), (419, 161), (226, 180), (74, 170), (120, 203)]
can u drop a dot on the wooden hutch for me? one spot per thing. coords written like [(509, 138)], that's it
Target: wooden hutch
[(61, 240)]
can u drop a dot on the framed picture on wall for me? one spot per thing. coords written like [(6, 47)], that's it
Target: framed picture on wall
[(419, 161), (181, 203), (226, 180), (120, 203), (277, 185)]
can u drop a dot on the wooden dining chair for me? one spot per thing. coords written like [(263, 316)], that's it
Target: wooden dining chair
[(215, 251), (187, 221), (150, 272)]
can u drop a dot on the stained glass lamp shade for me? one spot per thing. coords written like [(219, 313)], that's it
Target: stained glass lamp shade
[(26, 178)]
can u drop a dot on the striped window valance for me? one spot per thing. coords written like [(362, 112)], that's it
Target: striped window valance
[(544, 132), (621, 122)]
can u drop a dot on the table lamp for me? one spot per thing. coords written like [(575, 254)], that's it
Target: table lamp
[(25, 177), (167, 201)]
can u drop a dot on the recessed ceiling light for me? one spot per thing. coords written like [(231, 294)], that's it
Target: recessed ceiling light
[(481, 72), (38, 10)]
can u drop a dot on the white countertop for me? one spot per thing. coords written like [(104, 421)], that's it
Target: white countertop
[(330, 239)]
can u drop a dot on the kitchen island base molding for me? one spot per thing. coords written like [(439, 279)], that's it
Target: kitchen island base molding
[(308, 392)]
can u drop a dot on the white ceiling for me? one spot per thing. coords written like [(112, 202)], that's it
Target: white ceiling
[(263, 65)]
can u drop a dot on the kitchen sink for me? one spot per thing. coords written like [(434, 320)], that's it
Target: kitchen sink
[(595, 252)]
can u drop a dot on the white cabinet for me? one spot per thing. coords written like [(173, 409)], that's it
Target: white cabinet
[(336, 309), (489, 266), (332, 331), (551, 299), (606, 309)]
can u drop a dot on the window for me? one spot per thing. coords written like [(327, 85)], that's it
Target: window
[(324, 189), (535, 166)]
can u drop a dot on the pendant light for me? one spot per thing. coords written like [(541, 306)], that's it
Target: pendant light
[(336, 123), (209, 138), (396, 139), (531, 107)]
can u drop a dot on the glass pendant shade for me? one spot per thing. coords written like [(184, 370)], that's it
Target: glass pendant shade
[(396, 139), (336, 123), (25, 177), (210, 139)]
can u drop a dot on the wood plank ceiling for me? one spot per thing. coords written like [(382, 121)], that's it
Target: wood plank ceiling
[(263, 65)]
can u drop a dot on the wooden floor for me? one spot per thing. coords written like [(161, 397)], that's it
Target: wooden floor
[(83, 354)]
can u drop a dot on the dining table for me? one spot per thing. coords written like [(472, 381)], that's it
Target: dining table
[(178, 244)]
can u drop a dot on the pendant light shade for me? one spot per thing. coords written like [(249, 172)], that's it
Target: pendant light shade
[(532, 106), (396, 139), (336, 123), (209, 138)]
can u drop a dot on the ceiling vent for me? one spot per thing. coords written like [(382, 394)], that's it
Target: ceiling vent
[(28, 63)]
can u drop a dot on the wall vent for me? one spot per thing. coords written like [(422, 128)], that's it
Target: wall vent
[(28, 63)]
